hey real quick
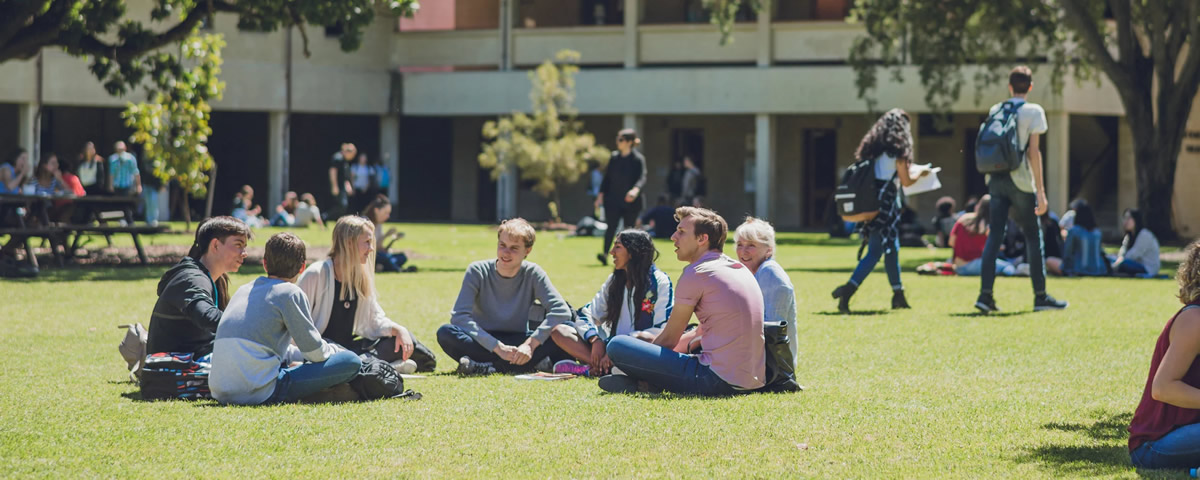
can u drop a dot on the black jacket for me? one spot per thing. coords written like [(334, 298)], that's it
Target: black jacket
[(186, 315), (622, 174)]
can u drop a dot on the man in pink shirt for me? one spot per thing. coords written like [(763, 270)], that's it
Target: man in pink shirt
[(729, 305)]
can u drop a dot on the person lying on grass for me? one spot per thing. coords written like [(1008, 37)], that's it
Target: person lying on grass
[(635, 300), (345, 302), (729, 305), (495, 325), (1165, 430), (192, 294), (256, 332)]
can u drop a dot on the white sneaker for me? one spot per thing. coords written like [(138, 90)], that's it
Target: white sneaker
[(406, 367)]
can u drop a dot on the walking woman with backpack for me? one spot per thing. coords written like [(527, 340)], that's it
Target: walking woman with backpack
[(888, 146)]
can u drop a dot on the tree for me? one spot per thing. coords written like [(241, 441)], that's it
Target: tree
[(85, 28), (1155, 69), (172, 126), (549, 146)]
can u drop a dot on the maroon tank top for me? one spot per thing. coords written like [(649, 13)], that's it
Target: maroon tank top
[(1154, 419)]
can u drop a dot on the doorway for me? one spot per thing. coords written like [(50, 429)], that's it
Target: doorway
[(820, 174)]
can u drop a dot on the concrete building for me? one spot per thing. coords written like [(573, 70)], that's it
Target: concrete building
[(771, 117)]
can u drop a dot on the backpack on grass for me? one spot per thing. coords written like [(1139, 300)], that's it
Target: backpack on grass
[(857, 196), (781, 367), (997, 148), (174, 375), (377, 379)]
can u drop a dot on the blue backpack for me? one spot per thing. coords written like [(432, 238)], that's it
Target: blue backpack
[(997, 148)]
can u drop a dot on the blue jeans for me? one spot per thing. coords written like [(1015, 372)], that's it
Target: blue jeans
[(391, 262), (457, 343), (150, 203), (1006, 197), (665, 368), (1178, 449), (974, 267), (891, 261), (1131, 267), (295, 383)]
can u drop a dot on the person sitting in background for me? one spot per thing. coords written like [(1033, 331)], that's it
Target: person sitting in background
[(192, 294), (15, 172), (257, 329), (660, 220), (93, 171), (70, 181), (47, 179), (244, 208), (756, 250), (307, 212), (944, 221), (912, 233), (1165, 429), (124, 178), (1139, 250), (378, 212), (345, 306), (1083, 253), (496, 310), (968, 238), (635, 300), (285, 212)]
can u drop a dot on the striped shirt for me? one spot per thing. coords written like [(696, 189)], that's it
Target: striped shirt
[(123, 168)]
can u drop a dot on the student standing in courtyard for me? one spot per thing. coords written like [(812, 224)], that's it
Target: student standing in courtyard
[(889, 143), (1165, 430), (1022, 194), (621, 190)]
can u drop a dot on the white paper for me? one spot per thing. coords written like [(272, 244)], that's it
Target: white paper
[(927, 183)]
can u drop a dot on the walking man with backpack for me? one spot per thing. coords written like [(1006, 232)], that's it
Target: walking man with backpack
[(1007, 152)]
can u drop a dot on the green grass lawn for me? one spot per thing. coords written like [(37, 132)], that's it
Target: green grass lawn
[(929, 392)]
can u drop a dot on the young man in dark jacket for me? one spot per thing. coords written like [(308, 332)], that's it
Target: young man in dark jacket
[(192, 294), (621, 190)]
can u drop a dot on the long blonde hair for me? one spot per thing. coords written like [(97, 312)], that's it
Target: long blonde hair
[(345, 255)]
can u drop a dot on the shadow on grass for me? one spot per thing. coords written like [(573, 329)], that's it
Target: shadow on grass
[(907, 266), (994, 314), (855, 313), (1100, 450)]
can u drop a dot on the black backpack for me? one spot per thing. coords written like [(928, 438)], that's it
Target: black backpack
[(377, 379), (997, 148), (174, 375), (857, 197), (781, 369)]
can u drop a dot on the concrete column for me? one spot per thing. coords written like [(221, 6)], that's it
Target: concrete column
[(633, 13), (632, 120), (508, 20), (389, 149), (764, 164), (764, 34), (1056, 164), (27, 136), (276, 160), (506, 195), (1127, 190)]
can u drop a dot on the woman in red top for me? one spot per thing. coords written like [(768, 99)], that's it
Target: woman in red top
[(968, 237), (1165, 432)]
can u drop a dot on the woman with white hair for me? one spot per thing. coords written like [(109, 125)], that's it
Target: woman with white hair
[(756, 250), (344, 302)]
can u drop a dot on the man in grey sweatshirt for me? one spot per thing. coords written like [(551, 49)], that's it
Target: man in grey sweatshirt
[(256, 331), (495, 325)]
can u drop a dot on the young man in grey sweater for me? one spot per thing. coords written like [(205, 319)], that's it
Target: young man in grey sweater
[(257, 329), (495, 325)]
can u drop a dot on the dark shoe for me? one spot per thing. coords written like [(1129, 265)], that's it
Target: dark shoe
[(986, 304), (843, 294), (898, 300), (469, 367), (618, 384), (602, 258), (1046, 302), (411, 269)]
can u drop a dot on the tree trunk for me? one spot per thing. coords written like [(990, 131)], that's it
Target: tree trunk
[(1157, 153), (187, 211)]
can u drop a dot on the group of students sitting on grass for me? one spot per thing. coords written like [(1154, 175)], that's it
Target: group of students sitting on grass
[(298, 330)]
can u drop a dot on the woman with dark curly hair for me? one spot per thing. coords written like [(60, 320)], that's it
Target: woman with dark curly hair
[(889, 146), (1165, 430), (635, 300)]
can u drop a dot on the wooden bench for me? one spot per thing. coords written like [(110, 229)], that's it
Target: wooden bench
[(26, 233), (107, 231)]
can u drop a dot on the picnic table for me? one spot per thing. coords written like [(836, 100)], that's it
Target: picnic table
[(102, 215)]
